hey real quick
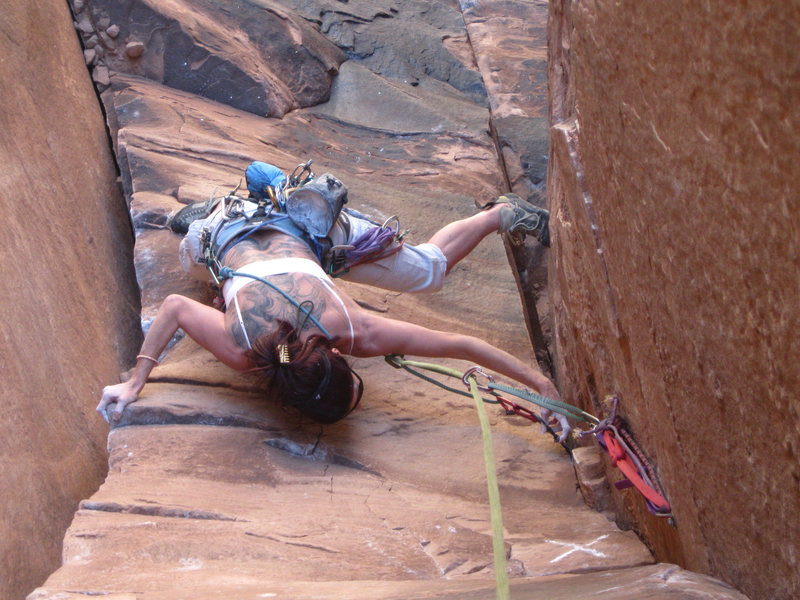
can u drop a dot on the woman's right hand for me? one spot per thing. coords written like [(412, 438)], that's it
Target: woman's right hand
[(120, 394)]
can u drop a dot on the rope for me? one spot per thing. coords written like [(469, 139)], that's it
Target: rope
[(404, 364), (444, 386), (370, 246), (562, 408), (621, 459), (637, 451), (630, 461), (618, 443), (498, 541), (511, 408), (495, 511)]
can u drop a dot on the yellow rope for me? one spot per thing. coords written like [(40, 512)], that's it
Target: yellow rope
[(498, 541)]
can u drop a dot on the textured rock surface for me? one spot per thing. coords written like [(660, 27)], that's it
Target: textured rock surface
[(659, 582), (510, 45), (676, 218), (209, 487), (251, 55), (211, 493), (68, 301)]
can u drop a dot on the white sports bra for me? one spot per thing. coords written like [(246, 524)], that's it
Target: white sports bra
[(279, 266)]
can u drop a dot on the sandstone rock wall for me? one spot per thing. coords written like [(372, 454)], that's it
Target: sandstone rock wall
[(673, 187), (213, 493), (238, 53), (509, 42), (68, 301)]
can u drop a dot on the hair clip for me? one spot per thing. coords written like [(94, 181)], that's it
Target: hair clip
[(283, 354)]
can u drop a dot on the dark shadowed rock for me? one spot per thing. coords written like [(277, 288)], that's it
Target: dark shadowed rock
[(406, 41), (260, 59)]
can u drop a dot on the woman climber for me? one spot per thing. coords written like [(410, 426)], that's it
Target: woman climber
[(285, 318)]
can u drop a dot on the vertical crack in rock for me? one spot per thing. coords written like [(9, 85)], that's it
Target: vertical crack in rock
[(570, 130), (529, 264)]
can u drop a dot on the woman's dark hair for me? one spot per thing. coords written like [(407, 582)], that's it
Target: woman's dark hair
[(307, 375)]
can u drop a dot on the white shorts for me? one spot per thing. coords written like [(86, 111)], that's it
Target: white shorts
[(418, 268)]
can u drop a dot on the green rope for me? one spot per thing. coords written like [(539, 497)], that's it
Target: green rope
[(444, 386), (562, 408), (556, 406), (399, 363)]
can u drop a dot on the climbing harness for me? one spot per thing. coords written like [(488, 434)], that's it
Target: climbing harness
[(611, 433), (303, 206)]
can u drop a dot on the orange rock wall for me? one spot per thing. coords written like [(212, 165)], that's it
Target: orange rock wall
[(67, 298), (673, 186)]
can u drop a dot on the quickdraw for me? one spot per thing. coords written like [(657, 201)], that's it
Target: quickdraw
[(610, 433)]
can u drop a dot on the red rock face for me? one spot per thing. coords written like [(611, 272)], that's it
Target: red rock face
[(675, 277), (68, 300), (263, 61), (213, 492)]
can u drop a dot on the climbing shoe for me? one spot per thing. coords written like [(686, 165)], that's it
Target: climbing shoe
[(519, 218), (180, 221)]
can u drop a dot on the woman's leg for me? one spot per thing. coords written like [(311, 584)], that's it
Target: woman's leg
[(510, 214), (422, 268), (457, 239)]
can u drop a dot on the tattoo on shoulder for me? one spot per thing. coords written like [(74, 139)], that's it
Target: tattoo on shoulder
[(262, 306)]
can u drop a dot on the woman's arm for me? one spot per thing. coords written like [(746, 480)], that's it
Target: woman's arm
[(204, 324), (378, 336)]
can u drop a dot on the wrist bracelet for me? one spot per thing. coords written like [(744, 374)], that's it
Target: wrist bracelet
[(138, 356)]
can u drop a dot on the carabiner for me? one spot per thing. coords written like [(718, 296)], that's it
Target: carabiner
[(396, 220), (395, 360), (471, 372), (294, 178)]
